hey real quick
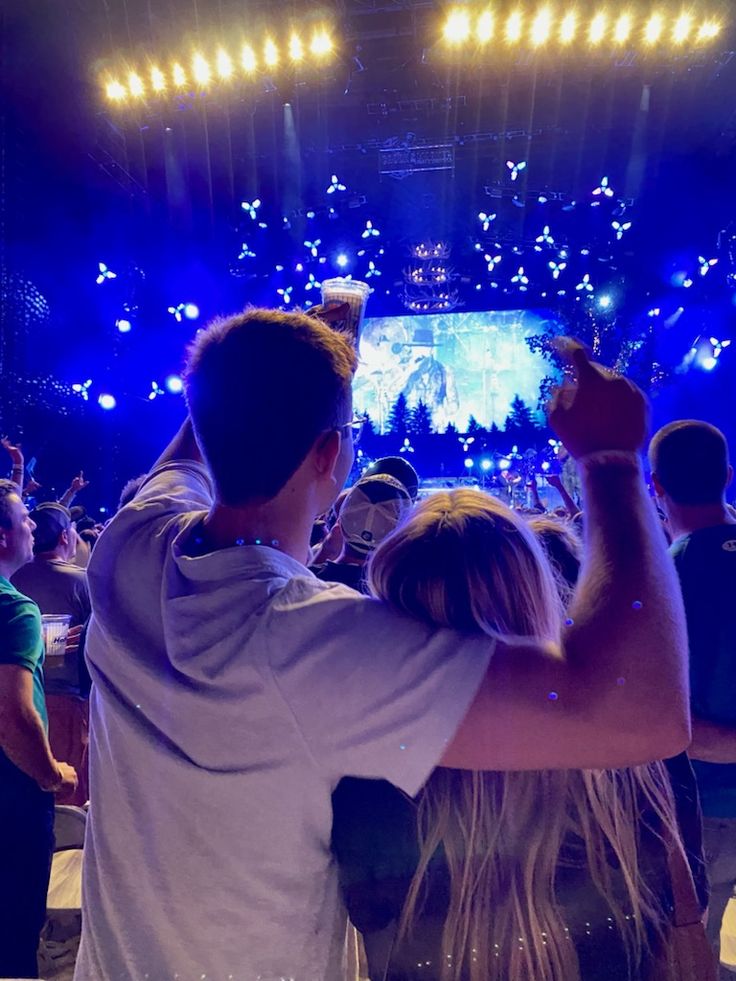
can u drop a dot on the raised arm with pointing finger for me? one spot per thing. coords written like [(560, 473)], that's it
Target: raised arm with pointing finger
[(615, 692)]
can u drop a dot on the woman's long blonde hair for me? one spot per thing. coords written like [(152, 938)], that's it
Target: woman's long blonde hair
[(464, 560)]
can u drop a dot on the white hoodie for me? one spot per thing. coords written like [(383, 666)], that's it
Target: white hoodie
[(232, 691)]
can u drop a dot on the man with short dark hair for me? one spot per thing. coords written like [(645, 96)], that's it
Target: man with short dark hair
[(53, 580), (233, 689), (690, 472), (29, 774)]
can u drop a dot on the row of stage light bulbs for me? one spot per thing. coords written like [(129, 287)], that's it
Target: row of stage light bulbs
[(540, 27), (201, 72)]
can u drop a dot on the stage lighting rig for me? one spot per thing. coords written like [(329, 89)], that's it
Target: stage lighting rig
[(225, 65), (550, 27)]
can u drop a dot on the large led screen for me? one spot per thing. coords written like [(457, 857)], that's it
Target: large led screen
[(458, 364)]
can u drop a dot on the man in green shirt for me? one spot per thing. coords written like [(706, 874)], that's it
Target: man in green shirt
[(29, 774), (690, 471)]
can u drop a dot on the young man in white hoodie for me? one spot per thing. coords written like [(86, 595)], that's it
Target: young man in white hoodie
[(233, 689)]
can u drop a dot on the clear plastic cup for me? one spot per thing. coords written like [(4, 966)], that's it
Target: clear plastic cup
[(55, 627), (355, 294)]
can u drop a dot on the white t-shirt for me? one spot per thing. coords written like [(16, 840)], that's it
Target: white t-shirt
[(232, 692)]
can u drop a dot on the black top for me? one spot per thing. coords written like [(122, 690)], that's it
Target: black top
[(344, 572), (706, 564), (374, 838)]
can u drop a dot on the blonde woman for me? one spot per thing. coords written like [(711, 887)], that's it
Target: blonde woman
[(554, 875)]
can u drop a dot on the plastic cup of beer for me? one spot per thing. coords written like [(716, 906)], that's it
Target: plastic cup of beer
[(355, 294), (55, 628)]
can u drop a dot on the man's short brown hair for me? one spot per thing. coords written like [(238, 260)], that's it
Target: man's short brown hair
[(690, 460), (7, 489), (261, 386)]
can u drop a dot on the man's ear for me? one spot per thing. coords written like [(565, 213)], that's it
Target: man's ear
[(326, 451), (658, 488), (64, 537), (729, 476)]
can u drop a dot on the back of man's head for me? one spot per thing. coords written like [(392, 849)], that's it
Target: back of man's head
[(261, 387), (689, 459), (52, 520)]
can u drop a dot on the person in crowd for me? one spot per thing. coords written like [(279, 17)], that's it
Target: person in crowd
[(467, 882), (392, 466), (233, 689), (58, 585), (29, 773), (53, 580), (398, 468), (690, 472), (564, 549), (371, 510), (330, 548), (78, 484), (130, 490), (17, 462)]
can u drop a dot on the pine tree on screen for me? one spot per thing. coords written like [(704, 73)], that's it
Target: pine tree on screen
[(420, 420), (398, 419)]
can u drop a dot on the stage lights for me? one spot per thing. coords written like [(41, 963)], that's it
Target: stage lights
[(622, 30), (653, 29), (568, 26), (248, 59), (514, 26), (270, 53), (321, 44), (223, 66), (158, 80), (541, 26), (682, 28), (597, 30), (457, 28), (484, 29), (106, 402), (135, 85), (201, 70), (115, 91)]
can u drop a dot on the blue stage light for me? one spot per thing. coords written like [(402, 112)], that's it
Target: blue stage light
[(468, 463), (191, 311), (504, 464), (709, 363), (174, 384), (104, 273), (335, 185), (123, 325), (485, 464), (515, 168), (342, 260), (107, 402), (604, 302), (251, 207)]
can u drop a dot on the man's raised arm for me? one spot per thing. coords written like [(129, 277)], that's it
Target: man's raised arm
[(615, 692)]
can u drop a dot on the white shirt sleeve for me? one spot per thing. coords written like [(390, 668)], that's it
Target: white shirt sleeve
[(372, 692), (126, 564), (176, 486)]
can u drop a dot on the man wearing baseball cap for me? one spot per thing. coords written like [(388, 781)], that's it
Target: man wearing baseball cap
[(52, 579), (371, 511)]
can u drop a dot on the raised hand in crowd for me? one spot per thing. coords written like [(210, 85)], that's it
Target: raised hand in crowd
[(17, 461), (78, 484)]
